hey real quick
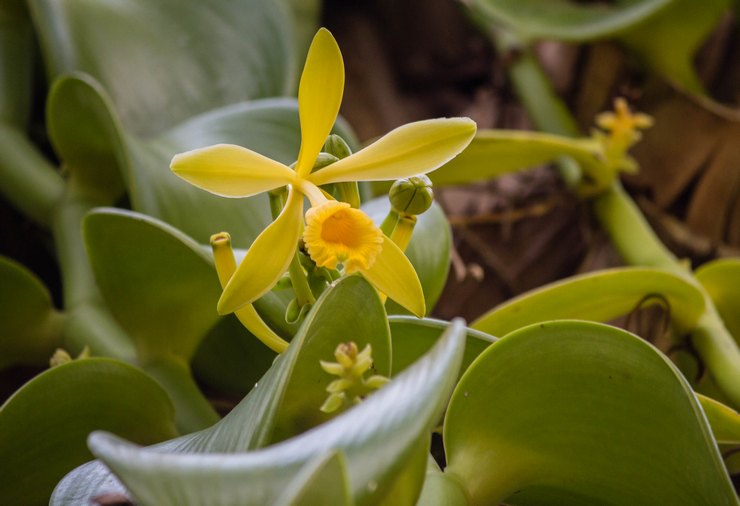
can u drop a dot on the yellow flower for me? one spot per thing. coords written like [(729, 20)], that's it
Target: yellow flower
[(336, 234)]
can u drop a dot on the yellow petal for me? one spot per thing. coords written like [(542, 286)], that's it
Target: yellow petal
[(415, 148), (231, 171), (319, 97), (393, 274), (267, 259)]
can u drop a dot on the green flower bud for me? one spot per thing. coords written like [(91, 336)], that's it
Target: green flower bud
[(411, 196), (336, 146)]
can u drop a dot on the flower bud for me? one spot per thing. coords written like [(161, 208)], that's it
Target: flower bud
[(411, 196), (336, 146)]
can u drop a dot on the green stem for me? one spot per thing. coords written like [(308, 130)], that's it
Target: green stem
[(630, 233), (193, 412), (546, 109), (89, 322), (27, 179)]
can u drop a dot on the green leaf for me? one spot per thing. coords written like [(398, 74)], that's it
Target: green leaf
[(493, 153), (429, 250), (581, 413), (598, 296), (441, 489), (159, 284), (413, 337), (30, 327), (378, 437), (321, 481), (564, 19), (166, 61), (668, 43), (86, 135), (43, 426), (724, 421), (721, 280)]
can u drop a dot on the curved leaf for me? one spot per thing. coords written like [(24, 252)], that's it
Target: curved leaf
[(581, 413), (86, 134), (724, 421), (412, 337), (161, 68), (30, 327), (721, 280), (159, 283), (598, 296), (566, 20), (321, 481), (43, 426)]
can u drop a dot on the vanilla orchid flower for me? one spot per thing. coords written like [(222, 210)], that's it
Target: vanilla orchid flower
[(335, 232)]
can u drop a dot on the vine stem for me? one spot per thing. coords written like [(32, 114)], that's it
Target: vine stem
[(620, 217)]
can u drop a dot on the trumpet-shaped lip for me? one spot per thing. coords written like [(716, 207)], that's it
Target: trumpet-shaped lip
[(336, 233)]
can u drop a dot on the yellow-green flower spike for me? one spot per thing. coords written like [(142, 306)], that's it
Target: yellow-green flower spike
[(352, 386), (623, 131), (234, 171)]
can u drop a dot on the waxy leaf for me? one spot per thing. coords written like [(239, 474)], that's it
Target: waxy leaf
[(565, 20), (668, 43), (599, 296), (724, 421), (44, 425), (580, 413), (166, 61), (321, 481), (30, 327), (412, 337), (159, 283), (721, 280)]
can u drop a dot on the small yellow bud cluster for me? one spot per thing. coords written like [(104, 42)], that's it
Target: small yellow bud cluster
[(351, 387), (622, 128)]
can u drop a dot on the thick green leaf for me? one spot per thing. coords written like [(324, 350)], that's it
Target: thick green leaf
[(159, 284), (441, 489), (230, 359), (163, 62), (493, 153), (721, 280), (724, 421), (599, 296), (413, 337), (30, 327), (87, 135), (43, 426), (566, 19), (668, 43), (321, 481), (377, 438), (429, 250), (581, 413)]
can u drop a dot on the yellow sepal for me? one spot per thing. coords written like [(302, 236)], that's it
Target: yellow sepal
[(408, 150), (231, 171), (267, 259)]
